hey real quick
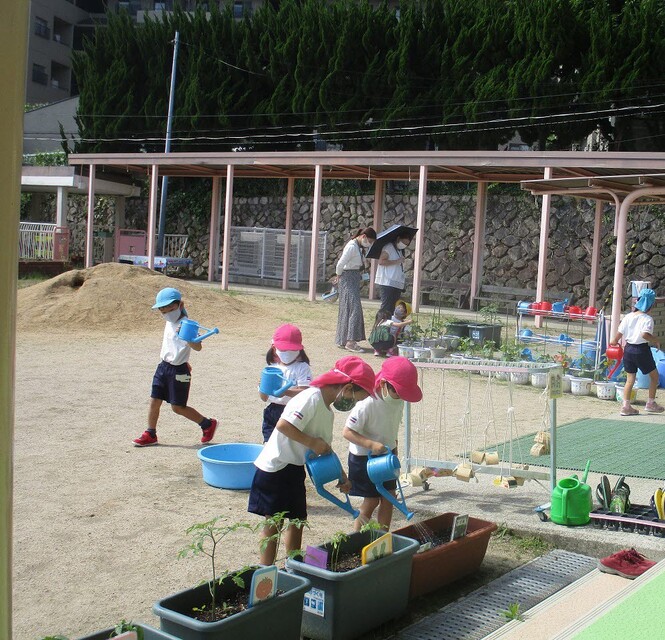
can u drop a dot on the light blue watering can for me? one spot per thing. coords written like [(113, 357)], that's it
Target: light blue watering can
[(189, 331), (273, 382), (324, 469), (383, 468)]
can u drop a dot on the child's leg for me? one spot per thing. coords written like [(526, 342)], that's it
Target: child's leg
[(628, 388), (267, 552), (366, 510), (293, 538), (153, 412), (188, 412), (385, 513), (651, 406)]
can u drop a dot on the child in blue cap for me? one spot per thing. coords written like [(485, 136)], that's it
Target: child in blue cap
[(173, 377), (636, 329)]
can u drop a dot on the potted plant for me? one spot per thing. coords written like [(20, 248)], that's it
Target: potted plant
[(441, 560), (563, 358), (605, 389), (489, 329), (126, 630), (219, 607), (353, 602), (510, 352)]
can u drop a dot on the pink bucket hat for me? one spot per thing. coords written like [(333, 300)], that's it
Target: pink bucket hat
[(287, 337), (402, 375), (350, 369)]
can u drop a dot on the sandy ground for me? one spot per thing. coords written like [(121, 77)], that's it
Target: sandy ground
[(98, 523)]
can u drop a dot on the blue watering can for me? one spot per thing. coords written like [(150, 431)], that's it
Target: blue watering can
[(324, 469), (383, 468), (189, 331), (560, 306), (273, 382)]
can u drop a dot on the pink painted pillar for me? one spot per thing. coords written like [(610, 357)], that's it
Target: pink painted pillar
[(541, 283), (91, 218), (152, 216), (478, 243), (420, 239), (379, 203), (215, 213), (316, 224), (595, 254), (228, 214), (288, 225)]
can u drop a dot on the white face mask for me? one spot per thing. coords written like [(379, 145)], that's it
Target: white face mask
[(366, 243), (401, 245), (287, 357), (386, 397), (172, 316)]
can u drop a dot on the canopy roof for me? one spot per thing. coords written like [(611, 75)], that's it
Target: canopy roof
[(454, 166)]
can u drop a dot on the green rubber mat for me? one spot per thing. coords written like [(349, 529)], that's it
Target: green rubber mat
[(639, 615), (615, 447)]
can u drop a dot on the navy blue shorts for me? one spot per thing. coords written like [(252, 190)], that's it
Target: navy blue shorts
[(638, 356), (271, 414), (361, 485), (171, 383), (276, 491)]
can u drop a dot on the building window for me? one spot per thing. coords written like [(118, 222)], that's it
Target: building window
[(39, 74), (241, 9), (41, 28)]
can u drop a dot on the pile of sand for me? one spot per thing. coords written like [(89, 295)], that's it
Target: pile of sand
[(117, 297)]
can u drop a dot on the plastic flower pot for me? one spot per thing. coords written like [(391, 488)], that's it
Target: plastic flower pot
[(619, 392), (539, 379), (606, 390), (405, 351), (351, 603), (520, 377), (282, 612), (565, 384), (580, 386), (446, 563)]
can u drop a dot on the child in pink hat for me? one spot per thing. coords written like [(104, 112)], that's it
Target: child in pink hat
[(287, 354), (306, 424), (372, 427)]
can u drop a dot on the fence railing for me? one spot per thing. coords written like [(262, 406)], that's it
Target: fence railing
[(42, 241)]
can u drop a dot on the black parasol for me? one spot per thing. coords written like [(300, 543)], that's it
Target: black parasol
[(390, 235)]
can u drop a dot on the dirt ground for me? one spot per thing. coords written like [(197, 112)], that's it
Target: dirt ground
[(98, 523)]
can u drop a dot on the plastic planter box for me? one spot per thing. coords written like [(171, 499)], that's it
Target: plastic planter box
[(356, 601), (482, 333), (280, 616), (447, 563), (149, 633), (459, 328)]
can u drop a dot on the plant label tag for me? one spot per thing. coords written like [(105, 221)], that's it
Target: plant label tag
[(460, 524), (555, 383), (317, 557), (315, 602), (264, 584), (382, 546)]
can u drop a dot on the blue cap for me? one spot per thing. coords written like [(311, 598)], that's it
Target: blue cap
[(167, 296), (646, 300)]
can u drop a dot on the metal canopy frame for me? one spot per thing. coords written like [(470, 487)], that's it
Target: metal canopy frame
[(621, 178)]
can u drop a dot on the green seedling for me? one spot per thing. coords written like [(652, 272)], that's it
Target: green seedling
[(514, 612), (374, 528), (206, 540), (336, 543), (277, 522)]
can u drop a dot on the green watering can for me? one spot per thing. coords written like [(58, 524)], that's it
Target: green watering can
[(571, 501)]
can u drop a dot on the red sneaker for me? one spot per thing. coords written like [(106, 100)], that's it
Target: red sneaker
[(146, 439), (627, 564), (209, 433)]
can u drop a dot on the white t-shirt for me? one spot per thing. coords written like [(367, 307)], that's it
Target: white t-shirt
[(634, 325), (174, 350), (308, 412), (377, 420), (393, 274), (352, 258), (298, 372)]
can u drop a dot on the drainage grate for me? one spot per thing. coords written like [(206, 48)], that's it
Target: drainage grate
[(478, 614)]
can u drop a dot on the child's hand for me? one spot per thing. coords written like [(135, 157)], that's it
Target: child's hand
[(320, 446), (377, 449), (345, 485)]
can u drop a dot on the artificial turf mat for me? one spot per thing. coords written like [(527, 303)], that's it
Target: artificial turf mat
[(615, 447)]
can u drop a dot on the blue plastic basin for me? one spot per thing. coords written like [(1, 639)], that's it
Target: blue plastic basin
[(229, 466)]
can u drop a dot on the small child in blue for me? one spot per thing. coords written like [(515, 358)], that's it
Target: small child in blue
[(636, 329), (172, 379), (372, 427), (287, 354)]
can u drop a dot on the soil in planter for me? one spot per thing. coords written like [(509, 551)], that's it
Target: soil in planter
[(434, 539), (345, 562), (232, 604)]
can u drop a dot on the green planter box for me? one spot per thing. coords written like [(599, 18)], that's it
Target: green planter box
[(149, 633), (460, 329), (278, 617), (481, 333), (346, 605)]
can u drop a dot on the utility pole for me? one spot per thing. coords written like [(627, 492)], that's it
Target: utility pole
[(167, 147)]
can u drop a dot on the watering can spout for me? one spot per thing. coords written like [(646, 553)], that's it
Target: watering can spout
[(347, 506), (203, 336)]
